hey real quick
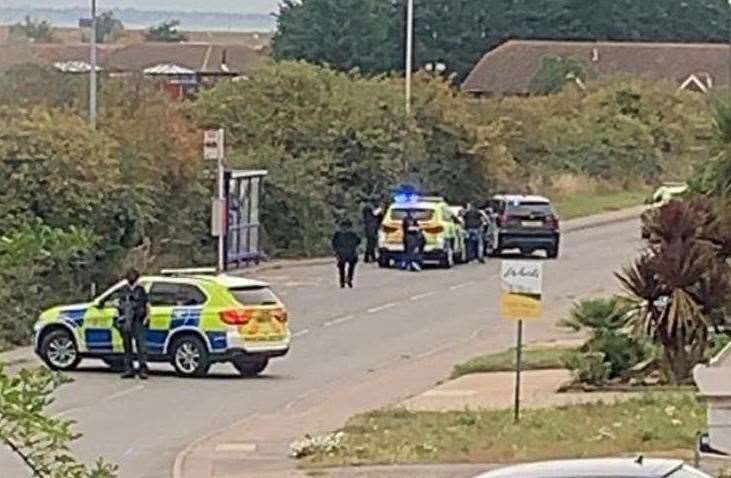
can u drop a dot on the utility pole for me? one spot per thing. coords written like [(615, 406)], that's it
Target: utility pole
[(409, 50), (92, 71)]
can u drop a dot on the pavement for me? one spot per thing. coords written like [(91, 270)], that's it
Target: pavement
[(495, 391), (392, 337)]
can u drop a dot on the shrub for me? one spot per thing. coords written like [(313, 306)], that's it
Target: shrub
[(611, 342), (40, 440)]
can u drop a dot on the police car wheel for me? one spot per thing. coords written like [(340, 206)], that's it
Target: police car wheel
[(190, 357), (251, 367), (59, 351)]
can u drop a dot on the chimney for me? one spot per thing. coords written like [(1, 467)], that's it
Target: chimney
[(595, 55)]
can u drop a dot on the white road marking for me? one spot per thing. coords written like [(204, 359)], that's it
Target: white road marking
[(382, 308), (236, 447), (339, 321), (114, 396), (300, 333), (462, 286), (126, 392), (423, 296)]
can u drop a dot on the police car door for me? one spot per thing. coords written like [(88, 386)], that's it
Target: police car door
[(99, 335), (173, 306)]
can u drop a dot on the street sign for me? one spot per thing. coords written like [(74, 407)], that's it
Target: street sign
[(213, 144), (522, 284), (85, 22)]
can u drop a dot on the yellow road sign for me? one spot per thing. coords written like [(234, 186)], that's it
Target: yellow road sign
[(521, 306)]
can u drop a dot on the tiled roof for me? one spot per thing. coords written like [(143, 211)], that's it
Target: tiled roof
[(509, 68)]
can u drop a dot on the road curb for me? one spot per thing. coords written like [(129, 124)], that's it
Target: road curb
[(606, 219), (16, 356)]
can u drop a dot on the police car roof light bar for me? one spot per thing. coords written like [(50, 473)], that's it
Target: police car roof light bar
[(194, 271)]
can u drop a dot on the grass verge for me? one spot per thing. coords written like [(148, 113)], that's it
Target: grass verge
[(649, 423), (534, 358), (587, 204)]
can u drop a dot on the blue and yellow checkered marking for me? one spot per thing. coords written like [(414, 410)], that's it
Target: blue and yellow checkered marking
[(74, 318)]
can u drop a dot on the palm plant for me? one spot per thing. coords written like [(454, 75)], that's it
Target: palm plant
[(680, 282)]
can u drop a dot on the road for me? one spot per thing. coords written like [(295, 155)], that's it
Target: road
[(395, 334)]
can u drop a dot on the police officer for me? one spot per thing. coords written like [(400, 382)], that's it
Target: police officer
[(475, 222), (132, 322), (412, 242), (345, 244), (371, 223)]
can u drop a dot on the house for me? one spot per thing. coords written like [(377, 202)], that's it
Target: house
[(715, 388), (182, 68), (509, 68)]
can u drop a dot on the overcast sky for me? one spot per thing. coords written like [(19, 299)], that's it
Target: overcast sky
[(234, 6)]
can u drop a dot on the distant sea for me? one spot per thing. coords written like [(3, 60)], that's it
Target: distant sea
[(141, 19)]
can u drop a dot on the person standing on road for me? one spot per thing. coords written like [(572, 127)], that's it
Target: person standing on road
[(371, 223), (132, 322), (412, 242), (345, 244), (474, 223)]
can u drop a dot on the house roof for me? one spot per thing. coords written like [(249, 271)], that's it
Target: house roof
[(509, 68), (198, 57)]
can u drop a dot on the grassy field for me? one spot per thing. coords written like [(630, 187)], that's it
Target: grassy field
[(534, 358), (587, 204), (650, 423)]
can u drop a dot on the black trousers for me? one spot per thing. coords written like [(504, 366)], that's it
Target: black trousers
[(346, 270), (371, 243), (134, 333)]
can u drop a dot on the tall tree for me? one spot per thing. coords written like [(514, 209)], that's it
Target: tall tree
[(108, 26)]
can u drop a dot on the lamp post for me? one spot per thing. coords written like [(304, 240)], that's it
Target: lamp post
[(92, 71), (409, 50)]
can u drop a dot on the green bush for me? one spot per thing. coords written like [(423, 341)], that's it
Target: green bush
[(589, 367), (611, 342), (41, 441)]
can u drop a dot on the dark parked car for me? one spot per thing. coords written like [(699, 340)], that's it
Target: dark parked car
[(525, 223), (600, 468)]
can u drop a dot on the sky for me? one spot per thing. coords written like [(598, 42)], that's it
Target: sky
[(233, 6)]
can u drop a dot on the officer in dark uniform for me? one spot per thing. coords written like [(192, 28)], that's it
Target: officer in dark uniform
[(345, 244), (371, 224), (413, 242), (132, 322)]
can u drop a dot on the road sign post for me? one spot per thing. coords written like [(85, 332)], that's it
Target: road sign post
[(213, 150), (522, 283)]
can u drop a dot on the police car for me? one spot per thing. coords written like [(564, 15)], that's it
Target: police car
[(443, 233), (196, 320)]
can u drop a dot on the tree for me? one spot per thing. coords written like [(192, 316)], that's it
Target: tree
[(368, 34), (556, 72), (108, 27), (166, 32), (346, 34), (38, 31), (682, 282), (41, 441), (332, 140)]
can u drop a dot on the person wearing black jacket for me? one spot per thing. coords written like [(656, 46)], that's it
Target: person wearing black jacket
[(132, 322), (345, 244), (371, 223), (413, 239)]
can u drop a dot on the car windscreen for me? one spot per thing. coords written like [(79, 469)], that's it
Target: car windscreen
[(254, 295), (529, 208), (399, 214)]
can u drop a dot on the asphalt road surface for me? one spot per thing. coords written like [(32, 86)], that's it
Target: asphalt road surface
[(410, 325)]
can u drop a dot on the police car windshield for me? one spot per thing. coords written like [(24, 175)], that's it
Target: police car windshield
[(254, 296), (527, 208), (418, 214)]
